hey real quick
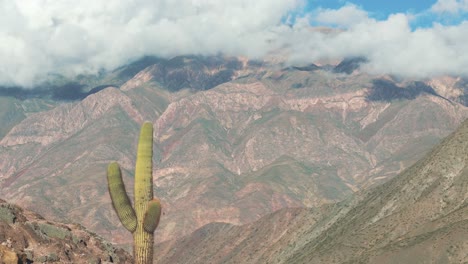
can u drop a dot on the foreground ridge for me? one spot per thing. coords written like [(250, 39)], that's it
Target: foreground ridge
[(26, 237)]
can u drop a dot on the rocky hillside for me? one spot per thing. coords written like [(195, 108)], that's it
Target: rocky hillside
[(26, 237), (234, 139), (420, 216)]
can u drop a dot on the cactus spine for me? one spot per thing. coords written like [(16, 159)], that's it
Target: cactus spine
[(143, 220)]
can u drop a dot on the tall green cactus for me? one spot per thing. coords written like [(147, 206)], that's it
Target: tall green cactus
[(143, 220)]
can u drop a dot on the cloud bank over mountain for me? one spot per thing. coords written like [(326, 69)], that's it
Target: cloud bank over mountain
[(43, 37)]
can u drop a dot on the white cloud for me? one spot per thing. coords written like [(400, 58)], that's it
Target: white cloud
[(450, 6), (344, 17), (391, 47), (39, 37)]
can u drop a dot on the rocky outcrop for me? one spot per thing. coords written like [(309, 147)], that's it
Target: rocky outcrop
[(9, 256), (26, 237)]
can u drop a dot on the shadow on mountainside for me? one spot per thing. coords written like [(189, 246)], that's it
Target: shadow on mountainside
[(197, 73), (127, 72), (67, 92), (384, 90), (349, 65)]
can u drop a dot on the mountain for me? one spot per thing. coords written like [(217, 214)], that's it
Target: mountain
[(13, 111), (349, 65), (27, 237), (420, 216), (227, 149)]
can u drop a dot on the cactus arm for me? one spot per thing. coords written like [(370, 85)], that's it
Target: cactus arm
[(119, 197), (152, 215)]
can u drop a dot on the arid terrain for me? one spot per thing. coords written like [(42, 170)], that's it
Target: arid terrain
[(235, 140), (26, 237), (420, 216)]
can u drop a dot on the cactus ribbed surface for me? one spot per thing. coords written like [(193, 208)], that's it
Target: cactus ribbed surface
[(151, 219), (119, 197), (145, 218)]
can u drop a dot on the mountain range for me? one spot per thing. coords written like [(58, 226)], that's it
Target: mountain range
[(235, 140), (420, 216)]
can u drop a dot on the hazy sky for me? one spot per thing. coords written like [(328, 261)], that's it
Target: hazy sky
[(42, 37)]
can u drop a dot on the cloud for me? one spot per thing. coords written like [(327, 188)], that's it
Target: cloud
[(344, 17), (43, 37), (450, 6), (391, 46)]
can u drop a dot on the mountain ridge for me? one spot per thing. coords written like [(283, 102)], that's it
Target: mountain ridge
[(419, 216), (223, 154)]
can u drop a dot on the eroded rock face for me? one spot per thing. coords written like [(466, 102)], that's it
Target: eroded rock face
[(420, 216), (26, 237)]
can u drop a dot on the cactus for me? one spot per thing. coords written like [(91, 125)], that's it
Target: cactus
[(143, 220)]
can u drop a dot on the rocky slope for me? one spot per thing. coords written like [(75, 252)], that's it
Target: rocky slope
[(420, 216), (26, 237), (266, 138)]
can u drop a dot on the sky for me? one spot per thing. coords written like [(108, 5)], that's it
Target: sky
[(378, 9), (416, 39)]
